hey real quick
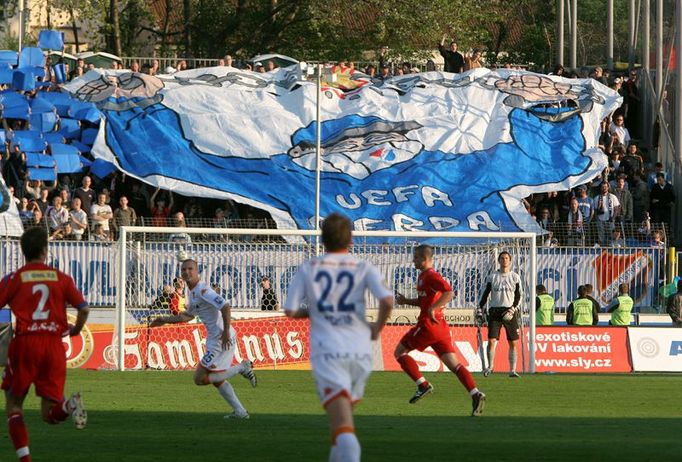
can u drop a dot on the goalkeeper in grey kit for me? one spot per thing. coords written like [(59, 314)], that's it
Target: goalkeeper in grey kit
[(504, 288)]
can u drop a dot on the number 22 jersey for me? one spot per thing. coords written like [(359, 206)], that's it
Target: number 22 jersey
[(333, 287)]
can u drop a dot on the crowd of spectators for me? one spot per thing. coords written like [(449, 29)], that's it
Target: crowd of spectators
[(629, 203)]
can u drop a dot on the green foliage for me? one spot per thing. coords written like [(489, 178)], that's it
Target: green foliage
[(520, 32), (163, 416)]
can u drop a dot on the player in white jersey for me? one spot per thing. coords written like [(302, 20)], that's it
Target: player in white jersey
[(215, 366), (504, 288), (333, 288)]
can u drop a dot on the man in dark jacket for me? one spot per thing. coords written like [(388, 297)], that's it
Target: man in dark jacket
[(454, 61)]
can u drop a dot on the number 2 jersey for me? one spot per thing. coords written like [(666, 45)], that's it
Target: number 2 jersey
[(37, 295), (333, 287)]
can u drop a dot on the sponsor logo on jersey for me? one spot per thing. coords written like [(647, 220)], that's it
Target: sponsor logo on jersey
[(36, 276)]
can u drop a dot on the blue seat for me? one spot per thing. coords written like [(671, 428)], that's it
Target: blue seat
[(82, 148), (29, 140), (24, 79), (62, 101), (35, 159), (59, 72), (31, 57), (44, 174), (14, 105), (102, 168), (69, 128), (53, 137), (63, 149), (89, 135), (51, 40), (6, 75), (67, 158), (45, 122), (40, 105), (9, 57)]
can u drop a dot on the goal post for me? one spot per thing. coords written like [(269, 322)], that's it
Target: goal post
[(236, 260)]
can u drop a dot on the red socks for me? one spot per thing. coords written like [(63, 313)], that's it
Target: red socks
[(57, 413), (465, 377), (410, 367), (19, 436)]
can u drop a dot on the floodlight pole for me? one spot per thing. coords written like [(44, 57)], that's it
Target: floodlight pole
[(21, 24), (574, 34), (659, 53), (560, 32), (318, 156), (609, 35)]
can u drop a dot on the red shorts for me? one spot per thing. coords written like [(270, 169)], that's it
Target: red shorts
[(38, 360), (436, 336)]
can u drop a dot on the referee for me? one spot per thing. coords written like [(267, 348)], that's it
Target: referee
[(504, 288)]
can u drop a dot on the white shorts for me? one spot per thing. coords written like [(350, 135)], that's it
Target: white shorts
[(340, 374), (216, 359)]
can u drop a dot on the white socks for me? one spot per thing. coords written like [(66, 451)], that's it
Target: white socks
[(491, 354), (228, 394), (512, 360), (347, 449)]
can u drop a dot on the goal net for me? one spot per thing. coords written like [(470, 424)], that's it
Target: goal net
[(252, 268)]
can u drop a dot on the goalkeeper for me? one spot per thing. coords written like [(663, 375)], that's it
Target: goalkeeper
[(504, 288)]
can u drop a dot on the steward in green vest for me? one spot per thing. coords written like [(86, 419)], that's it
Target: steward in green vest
[(582, 311), (621, 307), (544, 307)]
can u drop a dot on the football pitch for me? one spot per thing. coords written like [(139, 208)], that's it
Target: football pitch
[(162, 416)]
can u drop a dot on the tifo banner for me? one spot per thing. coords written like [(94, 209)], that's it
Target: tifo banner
[(269, 342), (427, 151), (656, 349), (558, 349), (238, 270)]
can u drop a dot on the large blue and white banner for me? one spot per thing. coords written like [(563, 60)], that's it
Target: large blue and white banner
[(430, 151)]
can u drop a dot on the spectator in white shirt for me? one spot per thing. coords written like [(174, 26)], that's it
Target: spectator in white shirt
[(101, 213), (57, 215), (618, 129), (78, 219)]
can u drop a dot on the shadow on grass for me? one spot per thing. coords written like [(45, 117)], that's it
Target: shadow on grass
[(113, 436)]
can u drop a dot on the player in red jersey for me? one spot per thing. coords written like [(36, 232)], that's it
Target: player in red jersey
[(434, 293), (37, 295)]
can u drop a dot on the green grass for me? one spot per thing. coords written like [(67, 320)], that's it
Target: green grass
[(162, 416)]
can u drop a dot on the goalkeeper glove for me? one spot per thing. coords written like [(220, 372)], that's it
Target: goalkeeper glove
[(509, 314)]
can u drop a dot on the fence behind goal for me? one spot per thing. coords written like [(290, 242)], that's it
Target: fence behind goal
[(230, 261)]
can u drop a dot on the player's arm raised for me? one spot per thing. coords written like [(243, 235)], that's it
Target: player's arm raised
[(172, 319)]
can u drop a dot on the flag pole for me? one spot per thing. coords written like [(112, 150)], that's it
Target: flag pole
[(21, 24), (318, 156)]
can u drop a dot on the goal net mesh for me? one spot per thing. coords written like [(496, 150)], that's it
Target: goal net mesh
[(252, 273)]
